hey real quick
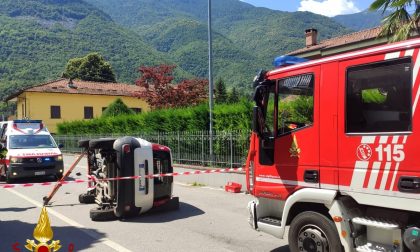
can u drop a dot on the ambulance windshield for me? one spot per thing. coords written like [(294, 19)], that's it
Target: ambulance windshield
[(31, 142)]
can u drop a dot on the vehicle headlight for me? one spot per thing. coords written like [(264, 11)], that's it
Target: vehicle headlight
[(59, 158), (16, 160)]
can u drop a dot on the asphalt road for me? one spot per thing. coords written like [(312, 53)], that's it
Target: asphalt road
[(209, 219)]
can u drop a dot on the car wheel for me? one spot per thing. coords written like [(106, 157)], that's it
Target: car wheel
[(312, 232), (99, 214), (86, 198), (102, 143)]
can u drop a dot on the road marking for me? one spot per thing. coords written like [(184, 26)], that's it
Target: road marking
[(71, 222)]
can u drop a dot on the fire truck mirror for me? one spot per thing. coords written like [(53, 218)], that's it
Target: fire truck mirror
[(255, 120)]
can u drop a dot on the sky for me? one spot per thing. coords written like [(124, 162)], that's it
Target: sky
[(327, 8)]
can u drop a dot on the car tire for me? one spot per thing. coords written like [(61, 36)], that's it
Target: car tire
[(86, 198), (102, 143), (312, 231), (84, 143), (99, 214)]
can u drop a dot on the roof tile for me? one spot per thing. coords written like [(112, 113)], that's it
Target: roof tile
[(85, 87), (342, 40)]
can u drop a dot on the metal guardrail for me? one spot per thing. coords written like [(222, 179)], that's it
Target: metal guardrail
[(191, 148)]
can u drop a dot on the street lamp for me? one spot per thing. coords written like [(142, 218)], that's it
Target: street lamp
[(210, 83)]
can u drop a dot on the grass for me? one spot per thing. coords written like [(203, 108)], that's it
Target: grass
[(197, 184)]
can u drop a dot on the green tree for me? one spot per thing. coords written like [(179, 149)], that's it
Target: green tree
[(220, 92), (400, 23), (233, 96), (91, 67), (116, 108)]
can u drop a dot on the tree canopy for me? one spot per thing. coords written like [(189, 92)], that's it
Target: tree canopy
[(160, 92), (220, 92), (400, 23), (116, 108), (91, 67)]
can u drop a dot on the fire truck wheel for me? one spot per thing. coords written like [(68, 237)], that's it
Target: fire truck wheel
[(85, 198), (99, 214), (312, 231), (102, 143), (84, 143)]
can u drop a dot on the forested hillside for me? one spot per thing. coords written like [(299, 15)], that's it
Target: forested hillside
[(245, 35), (362, 20), (39, 37)]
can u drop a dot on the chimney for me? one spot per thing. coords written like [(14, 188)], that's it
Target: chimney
[(311, 37), (71, 84)]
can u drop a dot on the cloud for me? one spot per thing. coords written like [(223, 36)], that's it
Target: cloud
[(329, 8)]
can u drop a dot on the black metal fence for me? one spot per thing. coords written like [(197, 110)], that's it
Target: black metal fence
[(191, 148)]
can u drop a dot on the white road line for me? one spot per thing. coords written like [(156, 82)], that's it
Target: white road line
[(71, 222)]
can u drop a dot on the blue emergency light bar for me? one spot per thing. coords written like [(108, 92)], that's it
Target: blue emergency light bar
[(27, 121), (286, 60)]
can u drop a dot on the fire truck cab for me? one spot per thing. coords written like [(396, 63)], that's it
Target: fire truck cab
[(333, 152)]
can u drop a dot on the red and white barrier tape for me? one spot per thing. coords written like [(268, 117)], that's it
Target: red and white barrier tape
[(92, 178)]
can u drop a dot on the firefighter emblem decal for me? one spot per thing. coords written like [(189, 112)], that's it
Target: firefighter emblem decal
[(294, 149), (43, 234), (364, 152)]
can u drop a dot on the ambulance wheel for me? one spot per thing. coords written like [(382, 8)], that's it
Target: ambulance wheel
[(102, 143), (84, 143), (99, 214), (312, 231), (85, 198), (59, 176), (9, 180)]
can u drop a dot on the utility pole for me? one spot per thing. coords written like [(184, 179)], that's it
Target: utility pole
[(210, 83)]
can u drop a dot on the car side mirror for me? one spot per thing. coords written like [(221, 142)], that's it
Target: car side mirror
[(60, 146)]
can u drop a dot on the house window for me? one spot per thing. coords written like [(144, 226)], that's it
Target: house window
[(88, 112), (136, 110), (103, 109), (55, 112), (378, 97)]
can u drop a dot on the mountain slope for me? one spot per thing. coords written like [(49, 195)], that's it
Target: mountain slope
[(254, 34), (39, 37), (362, 20)]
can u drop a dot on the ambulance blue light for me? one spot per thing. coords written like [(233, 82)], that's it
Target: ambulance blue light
[(27, 121), (286, 60)]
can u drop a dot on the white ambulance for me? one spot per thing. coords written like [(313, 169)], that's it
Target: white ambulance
[(28, 150)]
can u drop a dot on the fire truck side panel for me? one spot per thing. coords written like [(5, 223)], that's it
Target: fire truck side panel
[(371, 164), (328, 126)]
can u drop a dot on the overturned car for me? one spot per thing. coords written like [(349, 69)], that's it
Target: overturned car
[(112, 164)]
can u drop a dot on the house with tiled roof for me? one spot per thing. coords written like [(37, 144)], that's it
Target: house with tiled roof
[(315, 49), (67, 100)]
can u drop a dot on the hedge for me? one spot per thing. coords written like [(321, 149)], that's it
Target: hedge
[(226, 117)]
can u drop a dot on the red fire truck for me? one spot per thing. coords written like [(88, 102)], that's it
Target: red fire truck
[(333, 153)]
